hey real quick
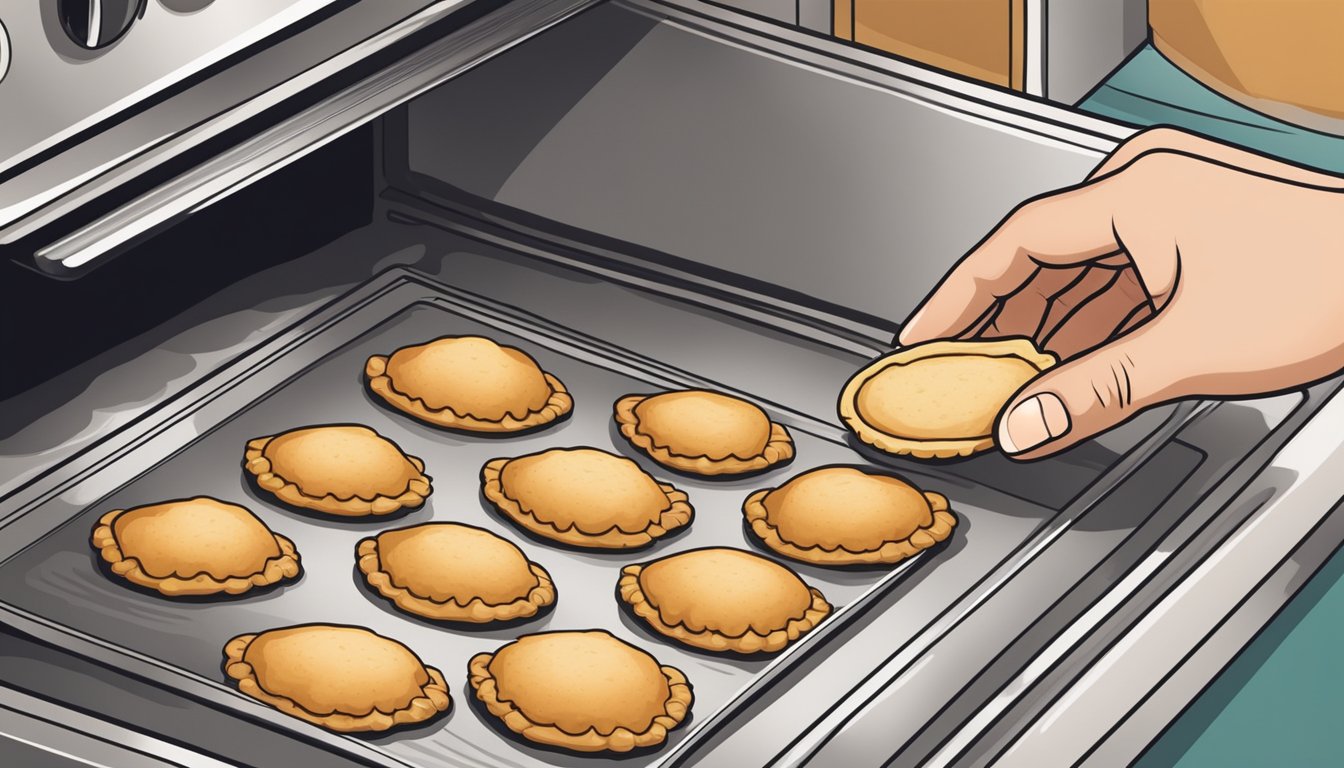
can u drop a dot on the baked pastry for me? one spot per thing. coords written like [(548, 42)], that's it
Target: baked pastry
[(347, 679), (722, 599), (938, 399), (199, 546), (454, 572), (702, 432), (846, 516), (585, 497), (469, 383), (341, 469), (584, 691)]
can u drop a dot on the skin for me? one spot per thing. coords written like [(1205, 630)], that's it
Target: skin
[(1181, 267)]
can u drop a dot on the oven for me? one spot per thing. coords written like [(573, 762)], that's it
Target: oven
[(645, 194)]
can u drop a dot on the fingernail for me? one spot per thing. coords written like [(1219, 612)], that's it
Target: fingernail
[(1032, 422), (911, 323)]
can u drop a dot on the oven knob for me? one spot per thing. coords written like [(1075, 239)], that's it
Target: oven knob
[(95, 24), (4, 52)]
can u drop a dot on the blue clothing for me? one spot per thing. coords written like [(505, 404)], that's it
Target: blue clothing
[(1150, 90)]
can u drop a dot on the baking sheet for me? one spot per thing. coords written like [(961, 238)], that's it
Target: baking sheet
[(58, 578)]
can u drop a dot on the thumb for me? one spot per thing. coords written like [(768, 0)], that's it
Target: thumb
[(1083, 397)]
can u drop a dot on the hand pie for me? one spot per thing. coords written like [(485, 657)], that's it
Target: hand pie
[(939, 399), (344, 469), (346, 679), (469, 383), (584, 691), (199, 546), (705, 433), (585, 497), (723, 599), (454, 572), (845, 516)]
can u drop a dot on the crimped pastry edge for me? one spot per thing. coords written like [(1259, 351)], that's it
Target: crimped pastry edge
[(256, 463), (475, 610), (749, 642), (678, 514), (433, 700), (899, 445), (380, 383), (889, 553), (675, 709), (778, 447), (277, 569)]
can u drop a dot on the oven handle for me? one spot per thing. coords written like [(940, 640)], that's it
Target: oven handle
[(302, 133)]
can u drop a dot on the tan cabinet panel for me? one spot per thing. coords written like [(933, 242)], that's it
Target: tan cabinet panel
[(983, 39)]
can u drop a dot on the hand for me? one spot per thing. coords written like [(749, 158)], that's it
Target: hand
[(1181, 267)]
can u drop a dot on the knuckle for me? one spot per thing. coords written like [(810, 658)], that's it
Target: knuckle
[(1112, 382), (1158, 136)]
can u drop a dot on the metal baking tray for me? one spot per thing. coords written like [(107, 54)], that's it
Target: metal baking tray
[(52, 587)]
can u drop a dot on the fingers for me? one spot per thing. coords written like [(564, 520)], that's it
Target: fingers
[(1066, 228), (1100, 319), (1090, 283), (1090, 394), (1020, 314)]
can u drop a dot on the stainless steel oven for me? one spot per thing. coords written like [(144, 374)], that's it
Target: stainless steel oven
[(646, 194)]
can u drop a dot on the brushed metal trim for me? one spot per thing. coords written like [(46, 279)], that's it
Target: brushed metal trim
[(30, 191), (312, 128), (1094, 718), (81, 738), (1036, 46)]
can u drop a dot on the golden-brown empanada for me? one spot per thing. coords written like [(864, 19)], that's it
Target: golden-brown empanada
[(703, 432), (454, 572), (846, 516), (721, 599), (469, 383), (585, 498), (198, 546), (347, 679), (939, 399), (583, 691), (346, 470)]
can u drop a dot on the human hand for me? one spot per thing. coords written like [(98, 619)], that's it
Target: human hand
[(1181, 267)]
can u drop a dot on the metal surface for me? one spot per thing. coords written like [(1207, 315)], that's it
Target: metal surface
[(55, 586), (164, 131), (39, 734), (54, 589), (842, 181), (307, 131), (1083, 41), (62, 87)]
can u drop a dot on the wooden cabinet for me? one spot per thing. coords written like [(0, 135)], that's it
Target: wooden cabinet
[(982, 39)]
